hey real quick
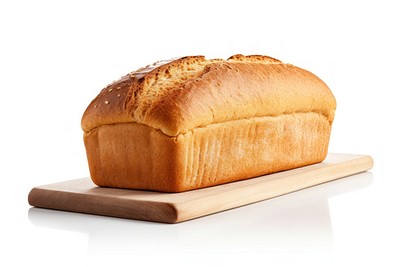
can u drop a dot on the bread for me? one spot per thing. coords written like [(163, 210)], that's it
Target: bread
[(191, 123)]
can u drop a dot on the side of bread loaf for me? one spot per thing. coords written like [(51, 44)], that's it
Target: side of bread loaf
[(191, 123)]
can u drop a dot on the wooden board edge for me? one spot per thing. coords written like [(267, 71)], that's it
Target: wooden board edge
[(92, 204)]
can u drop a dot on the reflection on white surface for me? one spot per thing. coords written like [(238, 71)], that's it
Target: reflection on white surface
[(294, 221)]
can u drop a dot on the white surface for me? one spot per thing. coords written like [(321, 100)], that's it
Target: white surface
[(55, 57)]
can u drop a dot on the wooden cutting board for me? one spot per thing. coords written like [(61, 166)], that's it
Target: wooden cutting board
[(81, 195)]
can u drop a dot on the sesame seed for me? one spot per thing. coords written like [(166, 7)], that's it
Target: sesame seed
[(119, 87), (119, 95), (106, 102), (237, 70), (110, 89), (96, 105)]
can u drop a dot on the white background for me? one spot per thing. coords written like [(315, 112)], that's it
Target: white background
[(55, 57)]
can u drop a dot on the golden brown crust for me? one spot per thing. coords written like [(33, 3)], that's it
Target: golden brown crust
[(233, 91), (180, 95), (109, 106)]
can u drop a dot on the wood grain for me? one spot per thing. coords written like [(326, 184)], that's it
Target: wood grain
[(81, 195)]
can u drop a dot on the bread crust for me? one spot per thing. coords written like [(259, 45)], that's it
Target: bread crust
[(190, 123), (218, 91)]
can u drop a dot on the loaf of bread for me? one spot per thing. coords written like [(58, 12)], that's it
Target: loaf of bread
[(192, 122)]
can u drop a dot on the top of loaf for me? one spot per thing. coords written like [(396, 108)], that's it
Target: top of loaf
[(179, 95)]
